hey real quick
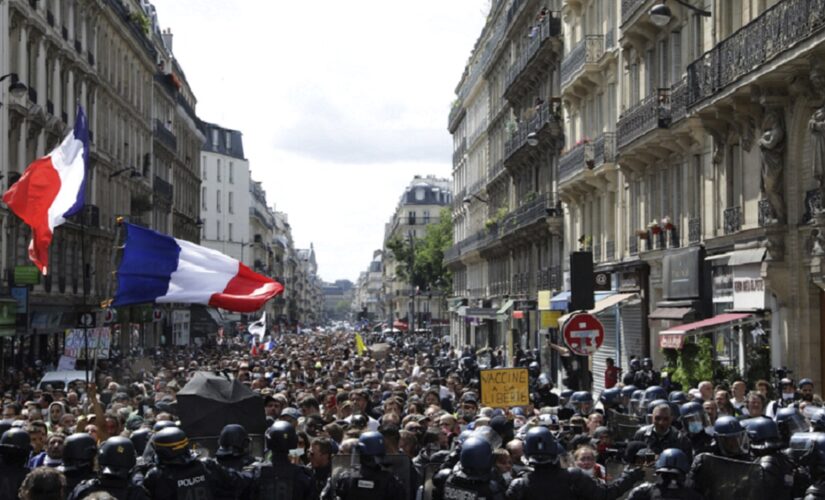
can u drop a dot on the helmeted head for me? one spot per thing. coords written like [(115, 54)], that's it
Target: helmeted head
[(117, 457), (635, 405), (817, 419), (763, 435), (541, 447), (582, 402), (15, 445), (79, 451), (476, 458), (564, 397), (653, 393), (790, 421), (233, 442), (371, 448), (162, 424), (534, 369), (611, 397), (140, 438), (672, 466), (171, 446), (678, 397), (808, 449), (635, 364), (731, 438), (694, 419), (647, 364), (627, 392), (281, 437), (543, 383)]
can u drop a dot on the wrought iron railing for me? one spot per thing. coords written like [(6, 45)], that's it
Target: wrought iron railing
[(610, 250), (652, 113), (694, 230), (678, 101), (458, 154), (574, 161), (163, 189), (588, 51), (776, 30), (526, 214), (629, 7), (165, 136), (543, 117), (550, 27), (604, 149), (733, 220), (633, 244)]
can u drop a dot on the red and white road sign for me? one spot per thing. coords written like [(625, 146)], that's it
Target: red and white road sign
[(583, 333)]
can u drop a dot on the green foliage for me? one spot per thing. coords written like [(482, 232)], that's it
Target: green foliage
[(428, 271), (501, 213), (692, 364), (141, 20)]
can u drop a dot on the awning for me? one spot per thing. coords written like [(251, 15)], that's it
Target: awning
[(482, 313), (604, 304), (718, 257), (750, 256), (561, 301), (670, 313), (455, 303), (674, 337), (506, 306)]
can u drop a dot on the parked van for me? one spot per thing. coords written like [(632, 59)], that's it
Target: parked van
[(61, 379)]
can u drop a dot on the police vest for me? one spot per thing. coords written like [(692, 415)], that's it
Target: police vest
[(276, 483), (10, 480), (191, 482), (368, 485)]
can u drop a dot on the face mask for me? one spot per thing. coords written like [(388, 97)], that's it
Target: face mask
[(695, 427), (709, 430), (788, 395), (507, 477)]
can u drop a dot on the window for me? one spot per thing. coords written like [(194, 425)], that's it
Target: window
[(411, 218), (426, 216), (229, 228), (228, 138), (218, 229), (231, 173), (663, 66), (204, 168), (203, 198), (231, 202), (419, 194), (215, 138), (650, 73), (697, 35), (676, 56), (218, 201), (218, 174)]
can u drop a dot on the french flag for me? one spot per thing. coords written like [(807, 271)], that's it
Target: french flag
[(52, 189), (159, 268)]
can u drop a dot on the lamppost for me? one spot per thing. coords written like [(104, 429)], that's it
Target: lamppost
[(661, 15)]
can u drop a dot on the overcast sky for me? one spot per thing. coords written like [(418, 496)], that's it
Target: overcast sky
[(340, 103)]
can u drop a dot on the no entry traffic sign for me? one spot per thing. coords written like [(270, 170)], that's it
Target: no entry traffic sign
[(583, 333)]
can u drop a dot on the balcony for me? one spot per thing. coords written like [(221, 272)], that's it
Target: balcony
[(89, 216), (733, 220), (633, 244), (456, 112), (604, 149), (575, 161), (678, 101), (165, 136), (748, 50), (535, 56), (582, 58), (526, 215), (694, 230), (650, 114), (630, 7), (458, 154), (163, 189), (476, 187), (548, 278), (544, 125)]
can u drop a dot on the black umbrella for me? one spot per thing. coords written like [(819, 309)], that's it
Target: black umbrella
[(211, 401)]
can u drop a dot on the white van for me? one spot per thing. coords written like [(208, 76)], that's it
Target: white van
[(60, 379)]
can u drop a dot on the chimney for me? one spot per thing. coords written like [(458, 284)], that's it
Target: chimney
[(167, 39)]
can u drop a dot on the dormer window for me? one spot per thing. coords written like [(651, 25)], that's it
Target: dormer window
[(419, 194)]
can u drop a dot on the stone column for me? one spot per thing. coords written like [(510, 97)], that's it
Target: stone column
[(23, 55), (57, 86), (70, 97), (41, 91), (70, 19)]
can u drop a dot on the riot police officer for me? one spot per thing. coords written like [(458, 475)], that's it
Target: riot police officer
[(178, 474), (544, 395), (116, 459), (533, 372), (815, 461), (582, 403), (661, 435), (766, 446), (789, 421), (610, 399), (627, 391), (672, 467), (15, 448), (279, 478), (647, 376), (549, 478), (695, 426), (79, 452), (233, 447), (817, 419), (629, 378), (473, 477), (730, 440), (651, 394), (371, 482)]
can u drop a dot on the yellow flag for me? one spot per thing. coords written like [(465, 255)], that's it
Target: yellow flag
[(359, 344)]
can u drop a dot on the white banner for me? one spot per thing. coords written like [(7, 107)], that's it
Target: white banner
[(99, 338)]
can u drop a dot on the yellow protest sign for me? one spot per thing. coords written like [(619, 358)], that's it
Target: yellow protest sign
[(550, 319), (505, 387)]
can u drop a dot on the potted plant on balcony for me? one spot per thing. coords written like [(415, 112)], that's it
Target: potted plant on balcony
[(489, 223), (667, 224), (642, 234), (654, 227), (531, 196)]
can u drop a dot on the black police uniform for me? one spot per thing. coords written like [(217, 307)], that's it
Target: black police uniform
[(696, 479), (76, 476), (701, 442), (660, 442), (459, 486), (816, 491), (11, 477), (281, 480), (193, 480), (370, 483), (653, 491), (777, 476), (568, 484), (122, 489), (320, 477), (542, 398)]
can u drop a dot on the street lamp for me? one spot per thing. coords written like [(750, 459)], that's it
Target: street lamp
[(469, 199), (133, 175), (532, 139), (16, 89), (660, 14)]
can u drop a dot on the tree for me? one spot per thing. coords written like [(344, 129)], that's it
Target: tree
[(426, 255)]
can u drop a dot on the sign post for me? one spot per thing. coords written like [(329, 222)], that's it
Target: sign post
[(505, 387), (583, 333)]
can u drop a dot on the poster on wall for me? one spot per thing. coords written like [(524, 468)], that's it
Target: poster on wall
[(99, 339)]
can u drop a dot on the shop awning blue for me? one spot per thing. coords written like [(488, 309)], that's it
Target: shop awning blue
[(561, 301)]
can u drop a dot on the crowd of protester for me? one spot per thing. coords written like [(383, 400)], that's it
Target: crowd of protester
[(402, 422)]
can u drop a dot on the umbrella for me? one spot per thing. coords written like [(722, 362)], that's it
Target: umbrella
[(210, 401)]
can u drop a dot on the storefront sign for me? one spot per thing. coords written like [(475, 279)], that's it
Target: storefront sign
[(748, 287), (100, 339), (671, 340), (544, 298), (680, 274), (550, 319), (506, 387), (26, 275)]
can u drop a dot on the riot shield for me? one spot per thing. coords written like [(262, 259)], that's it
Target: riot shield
[(622, 427), (399, 465), (731, 479)]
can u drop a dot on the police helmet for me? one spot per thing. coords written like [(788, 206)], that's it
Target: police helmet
[(459, 441), (476, 457), (281, 437), (610, 396), (233, 441), (566, 395), (790, 421), (582, 401), (693, 417), (647, 364), (117, 457), (635, 364), (162, 424), (79, 450), (763, 433), (731, 437), (171, 446), (635, 404), (371, 444), (140, 438), (678, 397), (628, 390), (544, 382), (534, 368), (653, 393), (540, 447), (808, 448), (674, 461), (16, 440), (5, 425), (817, 419)]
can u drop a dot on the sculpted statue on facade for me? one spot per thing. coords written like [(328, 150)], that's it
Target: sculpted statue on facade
[(772, 146), (816, 125)]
